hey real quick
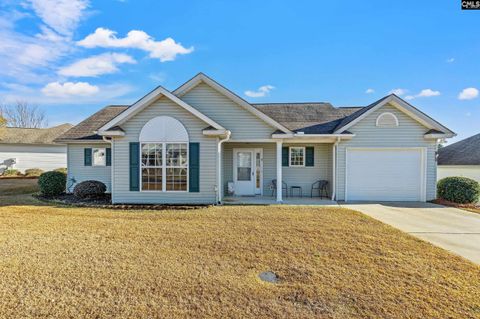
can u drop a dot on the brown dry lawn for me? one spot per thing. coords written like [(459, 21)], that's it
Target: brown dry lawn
[(65, 262), (14, 186)]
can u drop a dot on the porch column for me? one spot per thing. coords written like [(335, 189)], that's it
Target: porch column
[(279, 171)]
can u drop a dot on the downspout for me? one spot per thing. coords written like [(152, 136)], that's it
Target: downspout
[(334, 168), (219, 166), (112, 176)]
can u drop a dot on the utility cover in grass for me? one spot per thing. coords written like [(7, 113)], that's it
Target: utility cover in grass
[(269, 276)]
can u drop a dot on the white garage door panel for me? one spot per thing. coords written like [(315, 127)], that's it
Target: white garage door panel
[(384, 174)]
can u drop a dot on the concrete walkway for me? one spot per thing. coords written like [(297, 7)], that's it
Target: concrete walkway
[(453, 229)]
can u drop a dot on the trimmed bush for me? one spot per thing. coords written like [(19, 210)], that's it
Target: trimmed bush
[(459, 190), (89, 189), (52, 183), (61, 170), (11, 172), (33, 172)]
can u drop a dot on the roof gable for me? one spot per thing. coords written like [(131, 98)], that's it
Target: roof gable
[(400, 104), (146, 101), (202, 78)]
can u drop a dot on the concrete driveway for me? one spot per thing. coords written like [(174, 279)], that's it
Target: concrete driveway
[(453, 229)]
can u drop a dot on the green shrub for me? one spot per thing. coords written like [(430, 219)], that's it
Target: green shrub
[(61, 170), (33, 172), (459, 190), (52, 183), (89, 189), (11, 172)]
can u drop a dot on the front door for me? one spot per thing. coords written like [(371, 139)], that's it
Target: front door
[(246, 171)]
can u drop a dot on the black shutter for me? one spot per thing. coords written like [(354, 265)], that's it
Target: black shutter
[(284, 156), (109, 156), (87, 156), (309, 156), (194, 167), (134, 166)]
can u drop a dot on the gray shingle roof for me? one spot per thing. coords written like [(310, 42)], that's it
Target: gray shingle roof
[(18, 135), (351, 117), (464, 152), (310, 118), (85, 129)]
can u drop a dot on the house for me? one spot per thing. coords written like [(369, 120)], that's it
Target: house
[(24, 148), (179, 146), (460, 159)]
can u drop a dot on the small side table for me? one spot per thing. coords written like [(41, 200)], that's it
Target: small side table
[(293, 188)]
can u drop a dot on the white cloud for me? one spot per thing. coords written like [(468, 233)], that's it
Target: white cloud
[(115, 93), (423, 93), (450, 60), (29, 58), (158, 77), (57, 89), (428, 93), (468, 94), (96, 65), (370, 91), (398, 91), (60, 15), (261, 92), (165, 50)]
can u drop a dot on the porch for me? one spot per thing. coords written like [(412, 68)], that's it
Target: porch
[(269, 200), (249, 169)]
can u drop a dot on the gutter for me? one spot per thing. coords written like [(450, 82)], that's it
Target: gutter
[(219, 165), (302, 135)]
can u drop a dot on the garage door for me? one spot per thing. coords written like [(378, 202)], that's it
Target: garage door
[(385, 175)]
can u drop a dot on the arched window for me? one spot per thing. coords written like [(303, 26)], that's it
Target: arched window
[(387, 119), (164, 155)]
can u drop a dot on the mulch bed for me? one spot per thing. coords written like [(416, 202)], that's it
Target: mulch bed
[(461, 206), (106, 202)]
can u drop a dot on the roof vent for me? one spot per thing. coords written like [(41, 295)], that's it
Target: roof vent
[(387, 119)]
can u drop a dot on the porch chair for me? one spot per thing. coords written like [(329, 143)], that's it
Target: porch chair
[(273, 185), (321, 186)]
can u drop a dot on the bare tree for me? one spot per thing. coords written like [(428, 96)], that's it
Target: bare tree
[(22, 114)]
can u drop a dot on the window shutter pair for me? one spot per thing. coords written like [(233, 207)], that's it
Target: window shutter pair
[(309, 156), (87, 156), (193, 166)]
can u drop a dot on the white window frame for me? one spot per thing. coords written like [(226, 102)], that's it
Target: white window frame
[(93, 156), (290, 156), (164, 168)]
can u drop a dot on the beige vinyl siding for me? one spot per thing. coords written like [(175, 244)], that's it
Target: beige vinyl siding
[(409, 133), (45, 157), (194, 127), (293, 176), (469, 171), (242, 123), (78, 171)]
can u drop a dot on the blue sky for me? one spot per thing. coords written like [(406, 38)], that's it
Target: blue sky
[(72, 57)]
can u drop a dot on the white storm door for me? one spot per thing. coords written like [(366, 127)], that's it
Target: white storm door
[(244, 171)]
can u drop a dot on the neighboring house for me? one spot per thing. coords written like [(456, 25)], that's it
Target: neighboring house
[(460, 159), (24, 148), (179, 146)]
